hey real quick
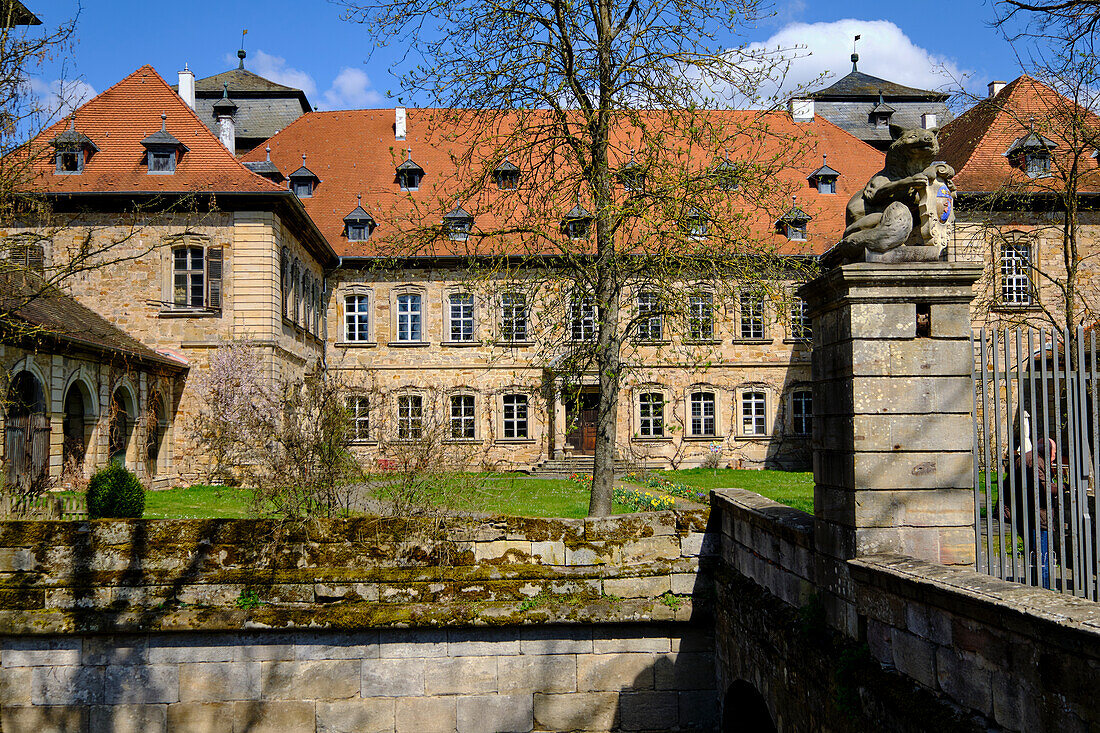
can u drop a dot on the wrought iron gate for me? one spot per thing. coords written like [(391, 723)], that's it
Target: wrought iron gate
[(1035, 463)]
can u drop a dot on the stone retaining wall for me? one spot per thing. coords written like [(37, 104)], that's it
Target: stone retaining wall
[(936, 647)]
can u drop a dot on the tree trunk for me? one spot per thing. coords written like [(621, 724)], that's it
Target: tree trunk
[(608, 344)]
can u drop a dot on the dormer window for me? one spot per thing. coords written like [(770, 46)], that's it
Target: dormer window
[(303, 181), (576, 222), (725, 175), (162, 150), (409, 174), (632, 176), (697, 225), (358, 225), (1032, 154), (824, 178), (457, 224), (793, 223), (881, 113), (506, 175), (72, 148)]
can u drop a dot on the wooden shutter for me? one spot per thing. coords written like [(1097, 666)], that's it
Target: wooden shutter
[(214, 278)]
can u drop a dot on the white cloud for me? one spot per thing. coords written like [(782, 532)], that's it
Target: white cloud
[(884, 51), (351, 89), (59, 97)]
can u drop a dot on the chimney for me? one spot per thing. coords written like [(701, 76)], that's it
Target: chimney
[(227, 132), (802, 110), (187, 86), (399, 123), (995, 88), (928, 120)]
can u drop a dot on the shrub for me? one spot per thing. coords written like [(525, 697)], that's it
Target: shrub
[(115, 492)]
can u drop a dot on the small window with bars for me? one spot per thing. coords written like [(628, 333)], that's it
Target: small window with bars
[(753, 417), (1016, 286), (197, 278), (462, 417), (461, 317), (752, 315)]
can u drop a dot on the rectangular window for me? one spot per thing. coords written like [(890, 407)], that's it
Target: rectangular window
[(359, 412), (582, 318), (802, 411), (752, 315), (800, 320), (197, 277), (1016, 287), (410, 417), (649, 317), (462, 317), (796, 232), (162, 162), (462, 417), (513, 324), (408, 317), (753, 421), (701, 317), (69, 162), (651, 415), (408, 180), (302, 187), (826, 185), (357, 232), (702, 413), (357, 318), (515, 416)]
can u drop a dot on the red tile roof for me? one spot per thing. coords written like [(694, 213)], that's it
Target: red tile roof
[(355, 152), (975, 143), (118, 119)]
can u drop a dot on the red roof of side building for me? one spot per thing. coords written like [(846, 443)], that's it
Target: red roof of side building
[(976, 142), (116, 122), (355, 153)]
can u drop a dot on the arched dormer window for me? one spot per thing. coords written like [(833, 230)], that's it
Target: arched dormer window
[(409, 174), (303, 181), (824, 178), (358, 225)]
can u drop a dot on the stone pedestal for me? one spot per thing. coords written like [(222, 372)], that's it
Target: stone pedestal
[(892, 365)]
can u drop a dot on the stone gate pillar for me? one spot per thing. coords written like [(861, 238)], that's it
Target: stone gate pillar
[(893, 431)]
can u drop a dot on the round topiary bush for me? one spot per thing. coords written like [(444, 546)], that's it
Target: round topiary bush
[(115, 493)]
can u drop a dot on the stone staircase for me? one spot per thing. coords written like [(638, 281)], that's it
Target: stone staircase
[(566, 467)]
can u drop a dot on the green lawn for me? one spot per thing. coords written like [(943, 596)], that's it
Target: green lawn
[(198, 502), (792, 488)]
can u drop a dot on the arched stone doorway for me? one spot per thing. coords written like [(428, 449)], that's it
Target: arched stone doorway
[(120, 424), (744, 710), (155, 426), (74, 426), (27, 434)]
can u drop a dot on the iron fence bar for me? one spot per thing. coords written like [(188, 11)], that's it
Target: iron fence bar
[(1043, 435), (1032, 437), (1010, 456), (990, 481), (1056, 518), (1068, 483), (979, 364), (985, 463), (1082, 572), (1094, 564)]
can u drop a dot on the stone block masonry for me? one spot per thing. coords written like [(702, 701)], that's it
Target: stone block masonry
[(609, 677)]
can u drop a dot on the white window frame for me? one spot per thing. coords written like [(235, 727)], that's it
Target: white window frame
[(752, 412), (1017, 286), (801, 419), (461, 325), (651, 327), (462, 426), (212, 284), (509, 319), (695, 316), (358, 323), (410, 417), (651, 426), (801, 327), (752, 324), (359, 407), (698, 414), (510, 418), (404, 322), (582, 318)]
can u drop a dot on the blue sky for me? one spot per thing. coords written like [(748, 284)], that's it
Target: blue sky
[(304, 43)]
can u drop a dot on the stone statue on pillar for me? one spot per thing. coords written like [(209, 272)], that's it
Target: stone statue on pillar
[(905, 211)]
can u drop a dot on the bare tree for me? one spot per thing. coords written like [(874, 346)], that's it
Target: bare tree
[(600, 110)]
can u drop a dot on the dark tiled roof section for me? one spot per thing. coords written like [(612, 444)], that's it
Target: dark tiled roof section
[(355, 151), (60, 316), (976, 142), (255, 119), (860, 85), (854, 116), (119, 119), (241, 80)]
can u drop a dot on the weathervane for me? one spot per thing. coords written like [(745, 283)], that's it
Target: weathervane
[(855, 56)]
